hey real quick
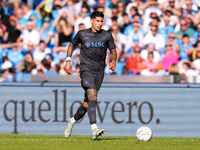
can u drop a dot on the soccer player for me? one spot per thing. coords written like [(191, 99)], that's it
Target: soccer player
[(94, 44)]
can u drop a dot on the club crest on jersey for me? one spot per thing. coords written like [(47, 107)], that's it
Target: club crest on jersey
[(86, 37), (103, 38), (87, 44)]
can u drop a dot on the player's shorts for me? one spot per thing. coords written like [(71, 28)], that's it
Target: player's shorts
[(91, 81)]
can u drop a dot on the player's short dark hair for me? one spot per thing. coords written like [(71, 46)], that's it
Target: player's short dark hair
[(96, 14)]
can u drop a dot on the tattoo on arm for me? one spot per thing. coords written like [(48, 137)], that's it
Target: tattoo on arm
[(70, 50), (113, 54)]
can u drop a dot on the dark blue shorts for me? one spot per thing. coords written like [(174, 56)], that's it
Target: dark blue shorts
[(91, 81)]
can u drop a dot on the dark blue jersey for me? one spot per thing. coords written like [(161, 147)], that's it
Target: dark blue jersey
[(93, 49)]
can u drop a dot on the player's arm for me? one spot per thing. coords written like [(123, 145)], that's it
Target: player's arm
[(68, 67), (112, 64)]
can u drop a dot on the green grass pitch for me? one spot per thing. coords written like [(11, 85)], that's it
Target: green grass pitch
[(58, 142)]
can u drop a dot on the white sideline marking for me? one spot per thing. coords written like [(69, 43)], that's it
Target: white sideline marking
[(33, 140), (1, 140)]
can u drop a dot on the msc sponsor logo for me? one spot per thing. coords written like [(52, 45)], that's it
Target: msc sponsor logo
[(95, 44)]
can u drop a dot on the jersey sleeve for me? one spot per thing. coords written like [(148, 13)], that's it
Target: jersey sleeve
[(111, 43), (76, 40)]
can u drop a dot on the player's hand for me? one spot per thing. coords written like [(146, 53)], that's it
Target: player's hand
[(112, 65), (68, 67)]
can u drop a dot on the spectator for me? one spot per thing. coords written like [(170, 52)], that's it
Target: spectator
[(109, 5), (64, 33), (194, 52), (3, 7), (188, 8), (189, 72), (15, 55), (119, 17), (7, 71), (48, 66), (134, 43), (30, 34), (30, 48), (185, 30), (153, 21), (47, 31), (135, 32), (125, 71), (172, 39), (126, 21), (82, 19), (12, 32), (40, 52), (3, 46), (90, 4), (197, 32), (2, 26), (136, 4), (155, 38), (167, 28), (61, 65), (133, 62), (191, 21), (64, 14), (170, 57), (148, 67), (173, 19), (185, 46), (37, 21), (171, 6), (150, 49), (28, 65), (27, 11), (70, 6), (20, 16), (2, 36), (57, 5), (152, 8), (173, 69), (121, 8), (120, 38), (133, 12)]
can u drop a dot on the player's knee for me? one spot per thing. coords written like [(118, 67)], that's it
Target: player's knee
[(92, 97), (85, 104), (92, 94)]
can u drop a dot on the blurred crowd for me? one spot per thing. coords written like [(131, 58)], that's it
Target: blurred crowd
[(152, 37)]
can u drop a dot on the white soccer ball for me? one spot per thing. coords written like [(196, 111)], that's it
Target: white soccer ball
[(144, 133)]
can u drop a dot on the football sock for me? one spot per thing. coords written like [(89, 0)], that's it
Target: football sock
[(73, 120), (94, 126), (80, 113), (92, 111)]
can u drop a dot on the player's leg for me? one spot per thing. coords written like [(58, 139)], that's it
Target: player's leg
[(81, 110), (78, 115), (92, 103)]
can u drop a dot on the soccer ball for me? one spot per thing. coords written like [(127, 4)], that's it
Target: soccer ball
[(144, 133)]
